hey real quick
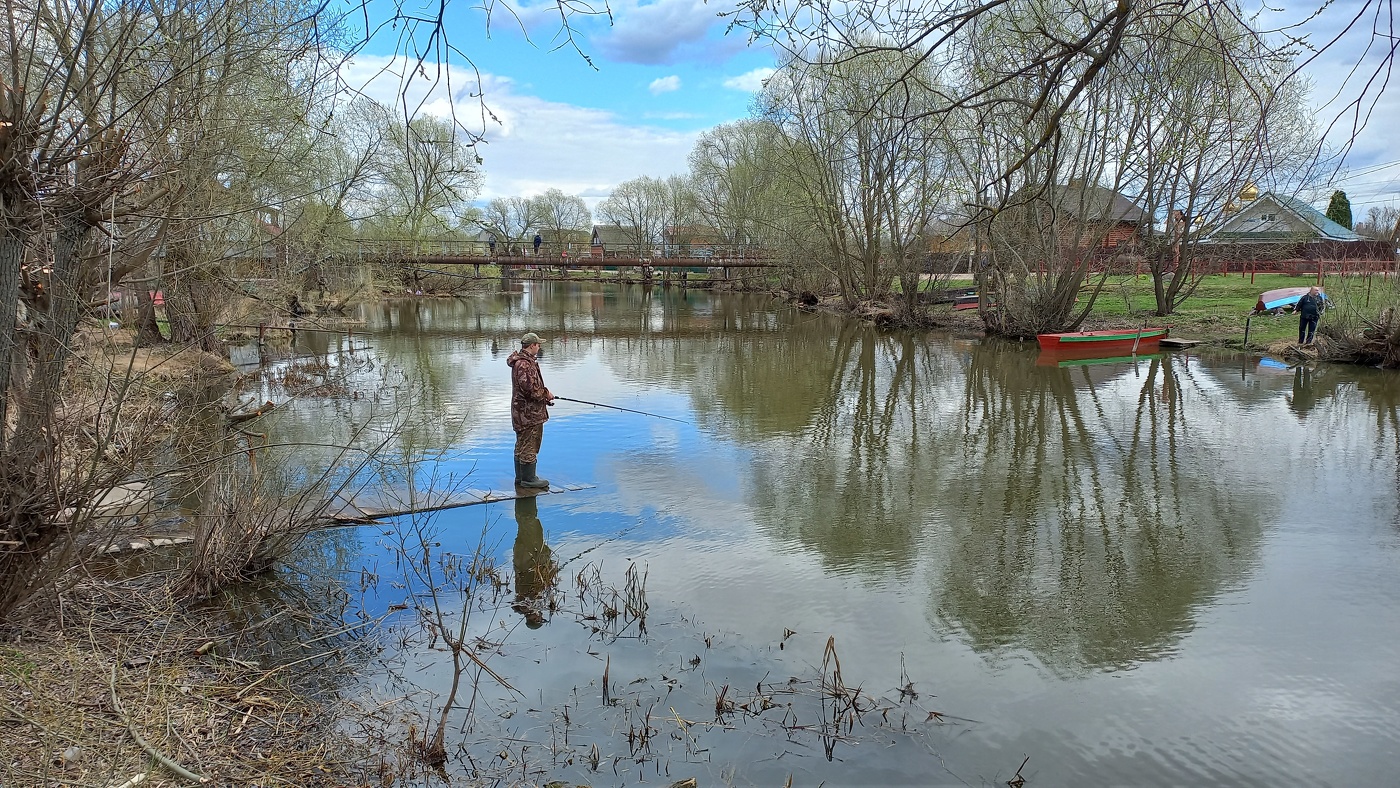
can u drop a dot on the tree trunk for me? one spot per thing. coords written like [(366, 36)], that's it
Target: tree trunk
[(147, 329), (12, 244)]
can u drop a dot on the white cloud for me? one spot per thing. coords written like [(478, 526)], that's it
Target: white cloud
[(530, 144), (751, 82), (664, 85), (667, 31)]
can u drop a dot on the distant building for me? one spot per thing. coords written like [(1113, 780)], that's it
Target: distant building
[(951, 242), (1089, 212), (1080, 219), (614, 240), (692, 240), (1276, 218), (1277, 227)]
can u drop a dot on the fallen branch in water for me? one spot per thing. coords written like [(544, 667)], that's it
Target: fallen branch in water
[(249, 415)]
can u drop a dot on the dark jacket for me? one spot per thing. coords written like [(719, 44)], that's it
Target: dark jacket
[(1310, 306), (529, 399)]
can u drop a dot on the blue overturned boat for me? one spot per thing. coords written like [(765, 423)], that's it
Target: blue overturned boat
[(1276, 301)]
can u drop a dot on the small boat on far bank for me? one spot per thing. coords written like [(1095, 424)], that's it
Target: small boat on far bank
[(1283, 298), (966, 301), (1089, 344)]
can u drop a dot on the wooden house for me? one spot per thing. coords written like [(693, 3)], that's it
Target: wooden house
[(615, 240), (1092, 215)]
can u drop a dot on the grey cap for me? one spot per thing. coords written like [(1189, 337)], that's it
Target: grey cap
[(530, 339)]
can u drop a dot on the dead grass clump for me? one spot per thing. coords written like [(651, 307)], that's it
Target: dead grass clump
[(148, 689)]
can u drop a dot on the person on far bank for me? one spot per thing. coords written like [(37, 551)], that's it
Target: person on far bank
[(1309, 309), (529, 410)]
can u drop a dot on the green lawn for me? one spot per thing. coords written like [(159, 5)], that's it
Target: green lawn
[(1218, 308)]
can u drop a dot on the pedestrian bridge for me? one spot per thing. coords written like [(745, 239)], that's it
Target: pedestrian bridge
[(478, 253)]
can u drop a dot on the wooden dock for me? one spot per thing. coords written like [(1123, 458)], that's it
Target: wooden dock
[(1176, 343), (372, 506)]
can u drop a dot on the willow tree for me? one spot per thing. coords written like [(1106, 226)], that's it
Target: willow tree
[(562, 216), (430, 175), (866, 166), (122, 126), (509, 219), (1047, 184), (342, 160), (1200, 123), (734, 190)]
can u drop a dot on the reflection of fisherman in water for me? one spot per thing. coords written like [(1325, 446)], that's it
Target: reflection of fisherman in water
[(1304, 391), (535, 571)]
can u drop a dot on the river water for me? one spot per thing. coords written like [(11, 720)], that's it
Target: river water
[(1175, 570)]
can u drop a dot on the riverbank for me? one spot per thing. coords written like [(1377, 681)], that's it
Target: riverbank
[(128, 687), (1219, 314)]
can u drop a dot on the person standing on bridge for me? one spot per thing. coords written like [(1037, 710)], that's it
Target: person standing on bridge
[(491, 244), (529, 401), (1309, 309), (538, 241)]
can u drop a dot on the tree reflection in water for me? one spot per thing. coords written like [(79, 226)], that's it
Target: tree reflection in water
[(1088, 528)]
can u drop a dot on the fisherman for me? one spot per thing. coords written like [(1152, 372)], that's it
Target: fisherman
[(1309, 309), (529, 399)]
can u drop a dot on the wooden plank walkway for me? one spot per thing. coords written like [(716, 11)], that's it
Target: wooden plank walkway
[(371, 506), (1177, 343)]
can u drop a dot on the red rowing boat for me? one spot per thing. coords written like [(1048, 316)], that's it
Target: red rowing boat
[(1103, 343)]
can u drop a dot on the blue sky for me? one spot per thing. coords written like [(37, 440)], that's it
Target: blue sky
[(666, 71)]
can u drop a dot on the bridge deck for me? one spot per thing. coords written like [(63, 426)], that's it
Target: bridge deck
[(572, 262)]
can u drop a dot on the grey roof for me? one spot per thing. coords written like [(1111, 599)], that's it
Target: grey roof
[(1096, 203), (616, 235)]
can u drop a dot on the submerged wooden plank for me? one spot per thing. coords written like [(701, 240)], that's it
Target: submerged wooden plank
[(360, 510)]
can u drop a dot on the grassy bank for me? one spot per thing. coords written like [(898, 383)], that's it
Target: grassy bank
[(1216, 312)]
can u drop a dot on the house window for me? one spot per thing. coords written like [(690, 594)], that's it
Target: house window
[(1268, 217)]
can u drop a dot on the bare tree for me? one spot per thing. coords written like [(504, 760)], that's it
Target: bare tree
[(641, 208), (510, 218), (1382, 223), (1197, 126), (560, 217), (429, 173), (734, 188), (868, 168)]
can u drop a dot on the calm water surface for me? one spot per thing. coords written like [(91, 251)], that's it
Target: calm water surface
[(1170, 571)]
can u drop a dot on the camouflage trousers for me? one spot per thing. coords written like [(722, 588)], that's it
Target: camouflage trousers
[(527, 443)]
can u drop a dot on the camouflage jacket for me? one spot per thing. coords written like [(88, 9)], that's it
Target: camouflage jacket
[(529, 399)]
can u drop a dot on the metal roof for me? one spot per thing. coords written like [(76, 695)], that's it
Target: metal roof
[(1234, 228)]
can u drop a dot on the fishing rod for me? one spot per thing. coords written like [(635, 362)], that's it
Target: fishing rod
[(614, 407)]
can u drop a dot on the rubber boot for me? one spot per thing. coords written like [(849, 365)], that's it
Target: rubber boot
[(526, 477)]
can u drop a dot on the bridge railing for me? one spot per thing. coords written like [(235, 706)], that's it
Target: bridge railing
[(402, 249)]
